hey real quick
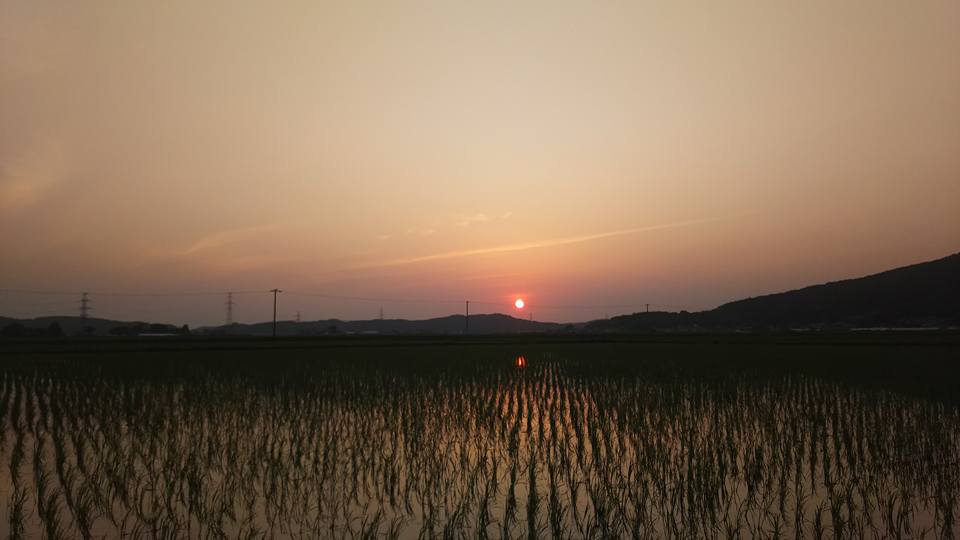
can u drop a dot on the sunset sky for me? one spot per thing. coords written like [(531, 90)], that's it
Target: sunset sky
[(589, 156)]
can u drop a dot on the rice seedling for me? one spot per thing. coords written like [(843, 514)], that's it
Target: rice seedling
[(578, 442)]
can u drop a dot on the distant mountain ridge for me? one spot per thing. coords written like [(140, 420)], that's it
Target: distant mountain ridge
[(453, 324), (495, 323), (73, 325), (912, 295), (920, 295)]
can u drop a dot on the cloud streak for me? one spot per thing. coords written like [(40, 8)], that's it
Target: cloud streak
[(523, 246), (466, 221), (228, 237), (26, 178)]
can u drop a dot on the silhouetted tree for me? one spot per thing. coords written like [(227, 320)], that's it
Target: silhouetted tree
[(19, 330), (14, 330)]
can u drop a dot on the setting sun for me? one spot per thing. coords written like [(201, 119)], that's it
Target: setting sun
[(519, 303)]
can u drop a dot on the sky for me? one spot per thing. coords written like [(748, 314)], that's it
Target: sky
[(591, 157)]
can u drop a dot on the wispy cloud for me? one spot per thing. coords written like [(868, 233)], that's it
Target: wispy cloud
[(228, 237), (480, 217), (222, 252), (28, 177), (421, 231), (523, 246), (466, 221)]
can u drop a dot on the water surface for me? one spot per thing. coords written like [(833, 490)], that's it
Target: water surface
[(547, 441)]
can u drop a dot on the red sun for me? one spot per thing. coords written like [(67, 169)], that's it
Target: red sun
[(519, 303)]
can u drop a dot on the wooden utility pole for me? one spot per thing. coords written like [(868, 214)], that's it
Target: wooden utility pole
[(275, 292), (466, 320)]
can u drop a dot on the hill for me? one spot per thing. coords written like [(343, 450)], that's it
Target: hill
[(71, 326), (453, 324), (919, 295), (450, 325)]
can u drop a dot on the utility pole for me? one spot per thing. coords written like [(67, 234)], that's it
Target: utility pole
[(466, 320), (230, 304), (275, 292), (648, 308), (298, 316), (381, 313), (84, 307)]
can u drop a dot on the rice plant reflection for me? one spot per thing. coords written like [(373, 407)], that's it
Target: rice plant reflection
[(560, 447)]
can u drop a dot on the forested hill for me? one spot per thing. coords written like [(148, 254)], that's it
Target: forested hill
[(914, 295), (56, 326), (920, 295), (495, 323)]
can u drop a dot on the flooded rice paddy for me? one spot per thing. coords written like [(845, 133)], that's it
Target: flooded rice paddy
[(553, 442)]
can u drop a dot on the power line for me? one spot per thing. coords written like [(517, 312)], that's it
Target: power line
[(374, 298), (332, 297), (86, 307), (124, 293), (40, 292), (58, 303), (452, 301), (175, 294)]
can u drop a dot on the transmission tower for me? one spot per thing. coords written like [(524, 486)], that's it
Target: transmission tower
[(230, 304), (85, 306)]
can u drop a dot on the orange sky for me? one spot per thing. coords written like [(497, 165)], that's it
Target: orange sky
[(593, 156)]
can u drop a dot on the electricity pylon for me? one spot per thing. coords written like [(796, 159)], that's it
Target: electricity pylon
[(85, 306)]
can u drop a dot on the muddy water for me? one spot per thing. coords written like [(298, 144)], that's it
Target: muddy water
[(493, 443)]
